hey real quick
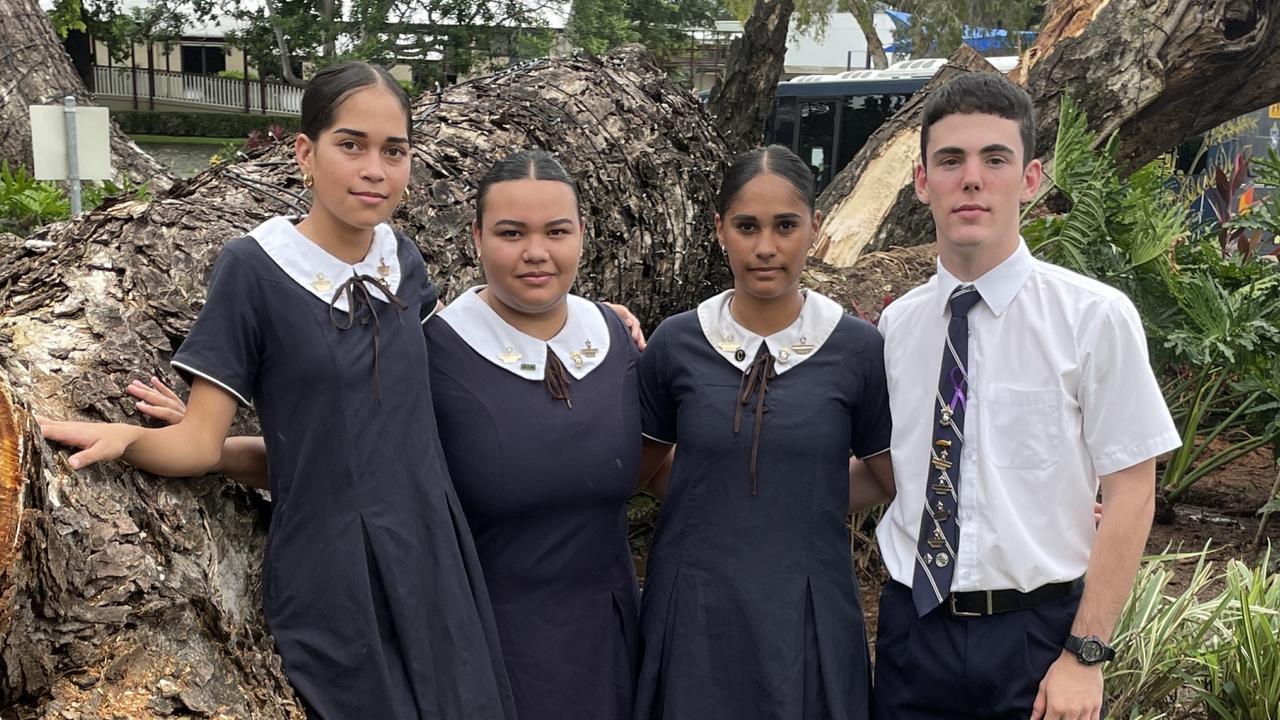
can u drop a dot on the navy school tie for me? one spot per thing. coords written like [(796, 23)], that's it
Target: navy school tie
[(939, 528)]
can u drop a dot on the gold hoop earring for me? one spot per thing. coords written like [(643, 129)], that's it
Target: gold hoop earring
[(405, 196), (308, 181)]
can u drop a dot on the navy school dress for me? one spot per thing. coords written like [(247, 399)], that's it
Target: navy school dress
[(751, 607), (544, 471), (371, 585)]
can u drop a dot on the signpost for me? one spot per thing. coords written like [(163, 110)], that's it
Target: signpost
[(71, 143)]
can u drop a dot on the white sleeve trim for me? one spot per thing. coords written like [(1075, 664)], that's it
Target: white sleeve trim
[(211, 379), (659, 440), (433, 312), (871, 455)]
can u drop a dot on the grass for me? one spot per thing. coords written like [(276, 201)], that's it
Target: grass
[(178, 140)]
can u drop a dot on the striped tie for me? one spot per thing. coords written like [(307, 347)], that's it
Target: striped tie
[(939, 527)]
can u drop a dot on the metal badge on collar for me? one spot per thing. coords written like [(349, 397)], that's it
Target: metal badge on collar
[(576, 357), (802, 348), (589, 351), (509, 356), (383, 268), (321, 283)]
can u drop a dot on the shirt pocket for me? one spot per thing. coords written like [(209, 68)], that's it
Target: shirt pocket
[(1023, 427)]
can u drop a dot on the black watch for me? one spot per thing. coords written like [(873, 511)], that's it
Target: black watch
[(1089, 649)]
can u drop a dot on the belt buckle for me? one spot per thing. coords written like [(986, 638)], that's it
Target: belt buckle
[(951, 602)]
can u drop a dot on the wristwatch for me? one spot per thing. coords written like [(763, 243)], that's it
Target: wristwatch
[(1089, 649)]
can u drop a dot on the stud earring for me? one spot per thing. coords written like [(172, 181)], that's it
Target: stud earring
[(308, 181), (404, 197)]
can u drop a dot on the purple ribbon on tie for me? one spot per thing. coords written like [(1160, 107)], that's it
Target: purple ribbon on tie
[(958, 381)]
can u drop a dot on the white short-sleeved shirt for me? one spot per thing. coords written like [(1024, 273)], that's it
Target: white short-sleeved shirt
[(1060, 393)]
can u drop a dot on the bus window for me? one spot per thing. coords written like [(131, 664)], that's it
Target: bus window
[(860, 117), (817, 138), (782, 130)]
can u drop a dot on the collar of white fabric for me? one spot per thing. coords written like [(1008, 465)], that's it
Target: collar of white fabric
[(998, 286), (790, 346), (581, 345), (320, 273)]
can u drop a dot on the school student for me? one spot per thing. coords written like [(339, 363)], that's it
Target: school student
[(750, 607), (538, 410), (1018, 389), (372, 587)]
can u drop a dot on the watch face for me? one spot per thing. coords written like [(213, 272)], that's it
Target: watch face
[(1091, 651)]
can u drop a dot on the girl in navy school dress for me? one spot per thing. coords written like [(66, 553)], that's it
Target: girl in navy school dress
[(537, 400), (750, 607), (538, 410), (371, 584)]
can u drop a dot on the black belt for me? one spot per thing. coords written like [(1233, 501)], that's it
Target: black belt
[(991, 602)]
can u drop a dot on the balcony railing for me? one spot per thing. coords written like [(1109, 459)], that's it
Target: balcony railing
[(209, 91)]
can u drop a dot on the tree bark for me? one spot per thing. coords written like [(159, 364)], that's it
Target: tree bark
[(127, 596), (36, 70), (742, 98), (282, 44), (1153, 72), (864, 13)]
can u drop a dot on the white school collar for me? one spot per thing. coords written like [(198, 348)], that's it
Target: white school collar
[(581, 345), (320, 273), (790, 346)]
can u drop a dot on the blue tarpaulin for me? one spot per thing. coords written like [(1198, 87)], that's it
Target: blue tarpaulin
[(980, 39)]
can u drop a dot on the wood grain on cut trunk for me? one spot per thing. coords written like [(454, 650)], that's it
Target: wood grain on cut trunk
[(1154, 72)]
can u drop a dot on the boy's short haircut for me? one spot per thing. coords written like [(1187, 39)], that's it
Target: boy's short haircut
[(982, 93)]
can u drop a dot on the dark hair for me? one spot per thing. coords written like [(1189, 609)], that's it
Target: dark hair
[(524, 165), (329, 88), (987, 94), (776, 159)]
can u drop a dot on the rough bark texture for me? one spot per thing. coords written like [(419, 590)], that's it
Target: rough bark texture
[(35, 70), (742, 97), (1154, 71), (127, 596)]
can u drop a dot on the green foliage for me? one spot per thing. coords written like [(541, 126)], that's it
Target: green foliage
[(1214, 645), (1161, 633), (598, 25), (217, 125), (1211, 309), (1244, 669), (661, 25), (65, 17), (237, 74), (26, 203)]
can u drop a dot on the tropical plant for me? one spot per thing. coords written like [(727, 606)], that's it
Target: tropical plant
[(1210, 307), (1212, 646), (1161, 635), (1243, 670), (26, 203)]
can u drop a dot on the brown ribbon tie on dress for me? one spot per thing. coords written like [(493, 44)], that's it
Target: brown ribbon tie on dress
[(754, 380), (356, 289), (556, 379)]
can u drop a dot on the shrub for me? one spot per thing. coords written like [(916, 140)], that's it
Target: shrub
[(224, 125)]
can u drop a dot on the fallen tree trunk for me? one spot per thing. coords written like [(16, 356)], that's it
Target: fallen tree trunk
[(35, 70), (1154, 72), (123, 595)]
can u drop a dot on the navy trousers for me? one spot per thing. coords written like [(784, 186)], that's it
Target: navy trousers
[(941, 667)]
